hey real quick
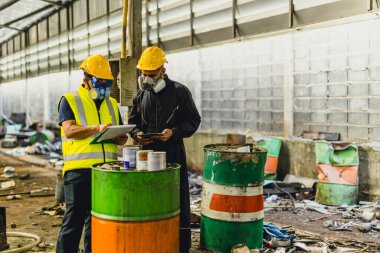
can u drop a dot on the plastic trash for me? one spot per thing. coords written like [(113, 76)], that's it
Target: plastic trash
[(273, 231), (9, 172)]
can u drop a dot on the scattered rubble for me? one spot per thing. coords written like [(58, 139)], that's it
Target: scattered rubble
[(7, 185), (195, 183), (12, 197), (9, 171), (56, 210)]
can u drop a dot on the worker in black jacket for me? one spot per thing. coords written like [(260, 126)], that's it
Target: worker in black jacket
[(164, 106)]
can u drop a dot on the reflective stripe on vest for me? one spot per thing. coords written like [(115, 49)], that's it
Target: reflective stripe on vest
[(80, 107), (86, 156), (112, 111), (64, 138)]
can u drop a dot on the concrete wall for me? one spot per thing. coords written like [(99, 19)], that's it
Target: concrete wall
[(337, 80), (325, 79), (237, 85)]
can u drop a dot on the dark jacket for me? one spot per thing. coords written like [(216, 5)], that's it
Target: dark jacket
[(172, 108)]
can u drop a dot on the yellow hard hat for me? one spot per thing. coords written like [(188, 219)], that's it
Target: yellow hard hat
[(98, 66), (151, 59)]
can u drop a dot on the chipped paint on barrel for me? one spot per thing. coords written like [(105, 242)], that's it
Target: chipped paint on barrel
[(336, 194), (233, 168), (272, 177), (232, 197)]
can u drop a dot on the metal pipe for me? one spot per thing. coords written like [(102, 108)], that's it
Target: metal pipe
[(191, 22), (147, 15), (124, 32), (291, 11), (158, 23), (234, 4), (130, 27)]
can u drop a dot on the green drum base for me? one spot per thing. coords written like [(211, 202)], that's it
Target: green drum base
[(336, 194), (221, 236), (270, 176)]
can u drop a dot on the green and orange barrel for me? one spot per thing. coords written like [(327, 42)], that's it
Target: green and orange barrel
[(273, 146), (135, 211), (232, 197), (338, 167)]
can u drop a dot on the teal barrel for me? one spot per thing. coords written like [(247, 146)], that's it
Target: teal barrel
[(135, 195), (232, 197)]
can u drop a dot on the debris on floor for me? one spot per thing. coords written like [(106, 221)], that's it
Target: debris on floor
[(7, 185), (240, 248), (9, 172), (297, 198), (56, 210), (195, 183), (12, 197), (320, 136)]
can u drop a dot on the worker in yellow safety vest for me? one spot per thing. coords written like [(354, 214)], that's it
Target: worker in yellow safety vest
[(82, 114)]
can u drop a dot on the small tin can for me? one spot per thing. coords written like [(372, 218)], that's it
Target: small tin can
[(129, 157), (156, 161), (142, 159)]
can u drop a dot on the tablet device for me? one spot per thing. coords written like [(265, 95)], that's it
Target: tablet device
[(112, 132), (150, 135)]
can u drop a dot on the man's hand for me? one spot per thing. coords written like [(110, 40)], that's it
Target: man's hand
[(120, 140), (74, 131), (103, 127), (142, 141), (167, 134)]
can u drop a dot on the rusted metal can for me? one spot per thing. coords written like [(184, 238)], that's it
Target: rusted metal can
[(129, 157), (156, 161), (142, 159)]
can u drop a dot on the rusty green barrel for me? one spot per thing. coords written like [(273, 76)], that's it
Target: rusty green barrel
[(232, 197), (133, 211), (336, 194)]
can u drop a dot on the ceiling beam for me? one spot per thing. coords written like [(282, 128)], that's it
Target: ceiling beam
[(8, 4), (56, 3), (27, 15), (9, 27)]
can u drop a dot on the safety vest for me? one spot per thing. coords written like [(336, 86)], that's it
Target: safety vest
[(79, 153)]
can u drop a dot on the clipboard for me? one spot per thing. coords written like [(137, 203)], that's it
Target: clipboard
[(111, 132)]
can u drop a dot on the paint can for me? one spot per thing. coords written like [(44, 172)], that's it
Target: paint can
[(156, 161), (142, 159), (129, 157)]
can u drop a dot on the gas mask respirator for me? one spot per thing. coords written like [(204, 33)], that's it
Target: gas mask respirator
[(148, 83), (102, 88)]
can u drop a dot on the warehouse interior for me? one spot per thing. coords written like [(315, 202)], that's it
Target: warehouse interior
[(298, 80)]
